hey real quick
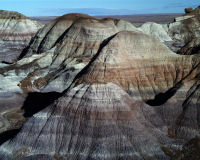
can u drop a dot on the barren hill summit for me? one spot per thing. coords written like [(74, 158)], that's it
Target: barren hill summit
[(11, 15), (16, 30), (17, 27), (62, 27)]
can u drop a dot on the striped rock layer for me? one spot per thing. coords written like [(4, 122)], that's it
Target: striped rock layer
[(16, 31), (67, 45), (131, 98), (60, 50), (15, 27)]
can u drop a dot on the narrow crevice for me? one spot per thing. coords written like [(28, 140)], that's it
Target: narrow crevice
[(25, 50), (45, 38), (186, 104), (60, 38), (23, 53)]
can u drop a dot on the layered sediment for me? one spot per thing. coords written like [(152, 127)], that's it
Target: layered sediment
[(127, 96), (16, 27), (16, 30)]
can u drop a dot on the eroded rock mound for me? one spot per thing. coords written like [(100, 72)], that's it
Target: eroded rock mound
[(60, 50), (131, 97), (158, 31), (16, 30), (55, 32), (16, 27), (69, 43), (185, 31)]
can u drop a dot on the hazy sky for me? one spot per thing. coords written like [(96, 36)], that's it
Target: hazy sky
[(59, 7)]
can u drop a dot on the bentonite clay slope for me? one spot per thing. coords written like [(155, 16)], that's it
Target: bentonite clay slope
[(132, 101), (158, 31), (16, 31), (16, 27), (76, 38), (60, 50), (54, 32)]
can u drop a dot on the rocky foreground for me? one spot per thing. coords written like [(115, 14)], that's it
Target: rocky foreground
[(103, 90)]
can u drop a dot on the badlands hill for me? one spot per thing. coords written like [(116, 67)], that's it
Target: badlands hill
[(182, 35), (16, 30), (122, 95), (57, 53)]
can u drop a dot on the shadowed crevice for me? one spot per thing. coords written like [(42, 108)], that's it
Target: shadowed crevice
[(36, 101), (5, 136), (25, 50), (5, 62), (162, 98)]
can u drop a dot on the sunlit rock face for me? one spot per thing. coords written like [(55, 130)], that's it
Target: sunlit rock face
[(16, 27), (158, 31), (181, 36), (16, 30), (132, 98)]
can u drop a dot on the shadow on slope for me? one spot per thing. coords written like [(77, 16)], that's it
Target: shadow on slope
[(36, 101), (5, 136), (162, 98)]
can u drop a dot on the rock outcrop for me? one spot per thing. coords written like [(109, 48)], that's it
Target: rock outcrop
[(186, 30), (191, 11), (191, 150), (126, 95), (16, 30)]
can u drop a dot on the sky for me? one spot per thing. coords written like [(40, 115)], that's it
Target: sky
[(96, 7)]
